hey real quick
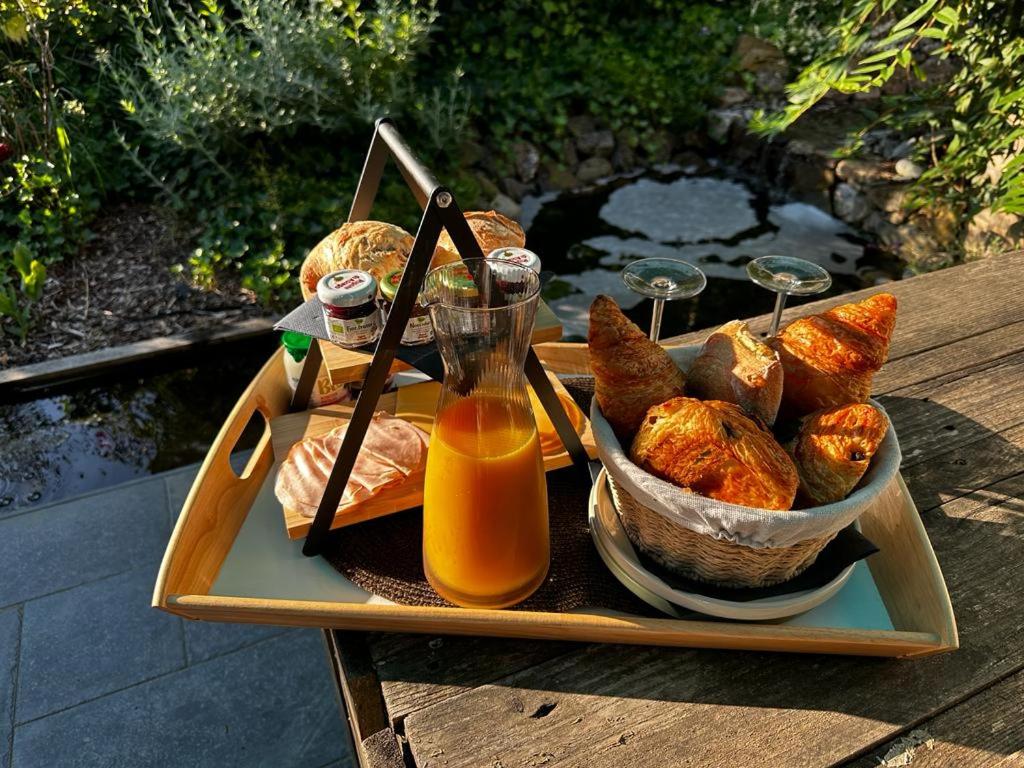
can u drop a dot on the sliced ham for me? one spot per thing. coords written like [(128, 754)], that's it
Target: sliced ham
[(392, 450)]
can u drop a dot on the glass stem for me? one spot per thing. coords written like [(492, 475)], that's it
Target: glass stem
[(659, 308), (780, 304)]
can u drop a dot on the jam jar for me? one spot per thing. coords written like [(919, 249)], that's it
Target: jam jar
[(418, 330), (521, 256), (349, 299)]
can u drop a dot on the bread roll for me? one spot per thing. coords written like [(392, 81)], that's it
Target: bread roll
[(372, 246), (833, 450), (631, 372), (491, 230), (714, 449), (736, 367), (830, 358)]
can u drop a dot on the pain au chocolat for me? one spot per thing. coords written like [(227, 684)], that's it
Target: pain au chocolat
[(833, 450), (713, 448)]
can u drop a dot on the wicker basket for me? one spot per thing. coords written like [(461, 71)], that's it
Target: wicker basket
[(708, 559), (725, 543)]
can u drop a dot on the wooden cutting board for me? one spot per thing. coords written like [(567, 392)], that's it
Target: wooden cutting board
[(346, 365), (416, 405)]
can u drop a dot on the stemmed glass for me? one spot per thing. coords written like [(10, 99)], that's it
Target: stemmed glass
[(663, 280), (787, 276)]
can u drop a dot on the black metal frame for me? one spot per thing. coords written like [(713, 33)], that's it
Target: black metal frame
[(439, 211)]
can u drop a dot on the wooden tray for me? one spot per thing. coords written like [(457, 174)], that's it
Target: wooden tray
[(227, 560), (288, 429), (346, 365)]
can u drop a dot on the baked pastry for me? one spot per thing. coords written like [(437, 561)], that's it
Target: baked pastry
[(372, 246), (829, 359), (736, 367), (631, 372), (833, 449), (491, 230), (714, 449)]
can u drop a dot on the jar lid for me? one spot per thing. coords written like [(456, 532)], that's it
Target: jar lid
[(389, 285), (520, 256), (296, 344), (346, 288)]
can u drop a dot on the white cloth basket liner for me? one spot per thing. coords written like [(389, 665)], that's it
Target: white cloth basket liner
[(742, 525)]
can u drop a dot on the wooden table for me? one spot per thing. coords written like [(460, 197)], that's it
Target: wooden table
[(954, 386)]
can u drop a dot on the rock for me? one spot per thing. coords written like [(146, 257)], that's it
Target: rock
[(890, 198), (599, 143), (907, 169), (506, 206), (943, 222), (720, 123), (990, 233), (471, 153), (658, 146), (901, 150), (878, 225), (694, 139), (580, 124), (861, 173), (772, 81), (809, 181), (593, 168), (515, 188), (558, 178), (527, 159), (753, 53), (692, 163), (570, 158), (623, 158), (487, 187), (732, 95), (848, 204)]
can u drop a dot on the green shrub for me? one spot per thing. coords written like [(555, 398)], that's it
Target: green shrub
[(971, 127)]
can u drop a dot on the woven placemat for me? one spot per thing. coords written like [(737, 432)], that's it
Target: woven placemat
[(384, 556)]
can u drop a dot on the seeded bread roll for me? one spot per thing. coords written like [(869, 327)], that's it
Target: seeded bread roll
[(372, 246), (491, 229)]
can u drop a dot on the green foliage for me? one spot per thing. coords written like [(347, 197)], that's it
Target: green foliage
[(210, 81), (800, 28), (532, 65), (16, 303), (971, 126)]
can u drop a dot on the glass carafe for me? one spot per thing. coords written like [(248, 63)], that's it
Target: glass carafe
[(485, 510)]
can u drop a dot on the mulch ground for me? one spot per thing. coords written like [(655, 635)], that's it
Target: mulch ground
[(122, 289)]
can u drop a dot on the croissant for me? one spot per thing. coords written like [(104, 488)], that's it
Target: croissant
[(714, 449), (736, 367), (833, 449), (829, 359), (631, 372)]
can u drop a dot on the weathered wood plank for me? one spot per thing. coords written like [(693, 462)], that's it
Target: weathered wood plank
[(441, 667), (610, 706), (985, 731)]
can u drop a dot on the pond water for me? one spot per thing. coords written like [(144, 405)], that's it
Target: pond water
[(111, 430), (107, 431), (715, 222)]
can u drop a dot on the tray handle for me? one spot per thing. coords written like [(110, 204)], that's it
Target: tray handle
[(219, 499)]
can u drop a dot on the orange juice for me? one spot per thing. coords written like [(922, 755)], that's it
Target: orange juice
[(485, 507)]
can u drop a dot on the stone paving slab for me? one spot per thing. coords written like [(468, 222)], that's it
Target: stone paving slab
[(269, 704), (63, 545), (10, 628), (84, 642), (207, 639)]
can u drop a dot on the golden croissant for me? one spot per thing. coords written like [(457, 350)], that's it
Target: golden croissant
[(631, 372), (736, 367), (833, 449), (830, 358), (713, 448)]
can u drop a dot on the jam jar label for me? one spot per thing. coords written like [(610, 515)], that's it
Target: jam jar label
[(355, 331), (418, 331)]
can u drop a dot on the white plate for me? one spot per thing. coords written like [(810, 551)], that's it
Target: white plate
[(618, 554)]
